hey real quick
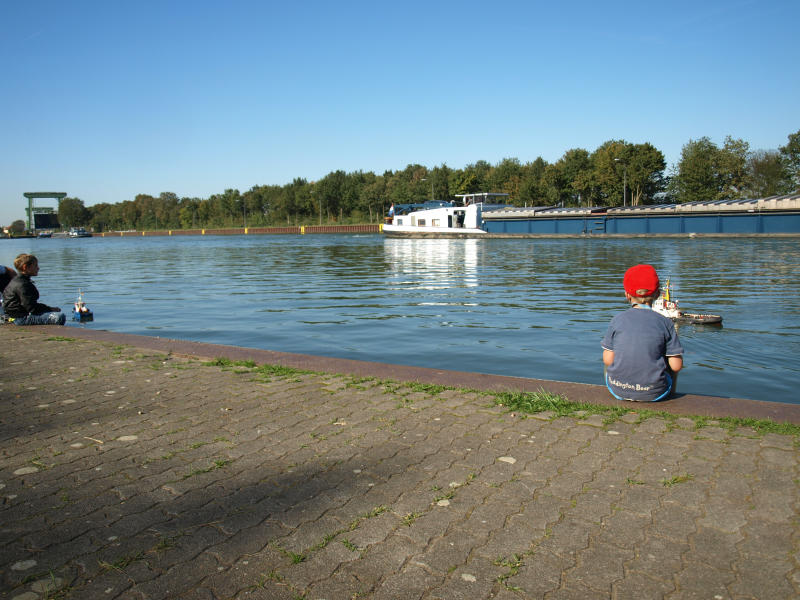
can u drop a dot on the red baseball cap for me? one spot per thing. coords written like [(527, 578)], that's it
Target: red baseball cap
[(641, 280)]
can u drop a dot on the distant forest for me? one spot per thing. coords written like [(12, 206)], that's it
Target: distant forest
[(615, 173)]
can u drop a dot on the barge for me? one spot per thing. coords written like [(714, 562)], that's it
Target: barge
[(481, 215)]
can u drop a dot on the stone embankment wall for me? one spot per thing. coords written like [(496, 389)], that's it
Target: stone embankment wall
[(248, 231)]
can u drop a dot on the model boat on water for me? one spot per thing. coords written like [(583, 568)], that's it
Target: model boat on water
[(81, 312), (667, 305)]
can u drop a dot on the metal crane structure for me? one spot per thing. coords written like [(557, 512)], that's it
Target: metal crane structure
[(40, 210)]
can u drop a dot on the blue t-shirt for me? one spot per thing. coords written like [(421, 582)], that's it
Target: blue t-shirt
[(640, 340)]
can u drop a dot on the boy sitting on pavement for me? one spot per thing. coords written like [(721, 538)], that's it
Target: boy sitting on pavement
[(21, 298), (641, 350)]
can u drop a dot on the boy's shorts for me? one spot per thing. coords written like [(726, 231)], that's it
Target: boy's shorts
[(663, 396)]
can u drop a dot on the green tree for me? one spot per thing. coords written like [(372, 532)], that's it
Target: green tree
[(695, 178), (791, 155), (440, 176), (187, 212), (611, 163), (166, 208), (645, 178), (17, 227), (532, 189), (707, 172), (555, 185), (204, 213), (768, 174), (505, 177), (372, 198), (146, 217), (731, 167), (225, 210), (72, 213), (100, 216), (464, 182), (480, 171), (577, 172), (328, 193)]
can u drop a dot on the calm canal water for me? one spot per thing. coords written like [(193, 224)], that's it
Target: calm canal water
[(530, 308)]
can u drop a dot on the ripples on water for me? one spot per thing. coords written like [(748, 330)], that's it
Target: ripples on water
[(530, 308)]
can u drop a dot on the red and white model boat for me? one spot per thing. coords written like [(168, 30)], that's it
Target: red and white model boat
[(667, 305)]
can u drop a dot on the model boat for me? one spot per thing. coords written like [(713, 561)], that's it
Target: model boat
[(666, 304), (81, 312)]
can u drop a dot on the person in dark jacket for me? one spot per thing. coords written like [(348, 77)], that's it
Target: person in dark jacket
[(6, 275), (21, 298)]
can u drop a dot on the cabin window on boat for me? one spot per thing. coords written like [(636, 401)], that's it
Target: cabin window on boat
[(435, 223), (420, 222)]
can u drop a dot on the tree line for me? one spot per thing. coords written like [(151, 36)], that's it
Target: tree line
[(616, 173)]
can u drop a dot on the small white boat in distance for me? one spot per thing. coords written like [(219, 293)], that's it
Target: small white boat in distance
[(79, 232), (444, 219)]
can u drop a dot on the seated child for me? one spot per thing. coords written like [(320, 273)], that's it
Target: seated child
[(21, 298), (641, 350)]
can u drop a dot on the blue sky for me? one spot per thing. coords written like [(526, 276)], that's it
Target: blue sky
[(105, 100)]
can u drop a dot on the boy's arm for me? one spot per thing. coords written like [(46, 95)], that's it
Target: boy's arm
[(675, 363), (608, 357)]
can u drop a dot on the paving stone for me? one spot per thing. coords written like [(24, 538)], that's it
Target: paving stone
[(783, 442), (723, 515), (673, 521), (567, 537), (699, 576), (764, 577), (382, 561), (593, 421), (463, 584), (577, 592), (409, 584), (341, 585), (598, 566), (319, 565), (539, 574)]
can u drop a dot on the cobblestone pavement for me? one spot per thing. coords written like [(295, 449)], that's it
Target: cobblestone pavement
[(130, 473)]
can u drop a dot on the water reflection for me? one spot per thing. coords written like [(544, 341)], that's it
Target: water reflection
[(532, 308), (429, 264)]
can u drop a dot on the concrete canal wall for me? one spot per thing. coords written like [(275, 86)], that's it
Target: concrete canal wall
[(303, 230)]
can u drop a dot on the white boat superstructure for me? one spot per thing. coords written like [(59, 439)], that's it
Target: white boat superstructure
[(444, 219)]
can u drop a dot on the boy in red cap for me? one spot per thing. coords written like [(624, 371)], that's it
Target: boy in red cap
[(641, 350)]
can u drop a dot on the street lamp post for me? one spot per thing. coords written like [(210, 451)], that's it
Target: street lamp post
[(624, 180)]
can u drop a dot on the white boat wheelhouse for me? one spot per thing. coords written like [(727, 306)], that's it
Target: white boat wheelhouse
[(449, 219)]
